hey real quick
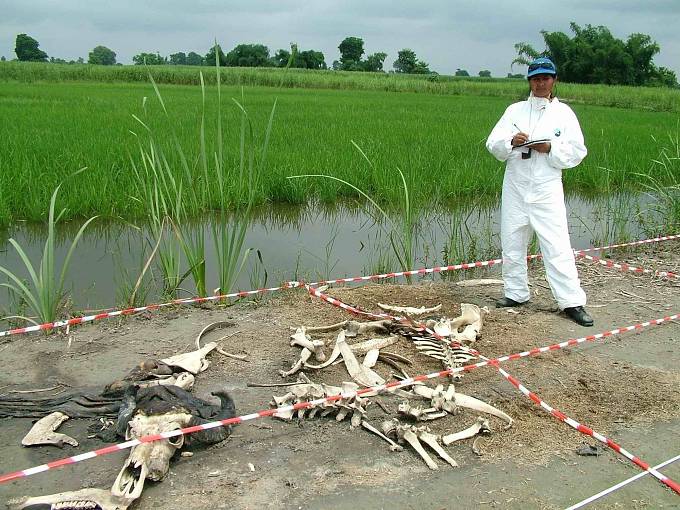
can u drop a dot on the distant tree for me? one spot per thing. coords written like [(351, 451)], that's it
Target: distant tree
[(461, 72), (80, 60), (374, 62), (249, 55), (102, 55), (485, 74), (194, 59), (27, 49), (351, 50), (178, 59), (3, 59), (518, 75), (594, 55), (407, 62), (313, 59), (149, 59), (210, 57), (54, 60)]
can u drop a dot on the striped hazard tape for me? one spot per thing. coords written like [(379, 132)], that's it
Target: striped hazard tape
[(583, 429), (626, 267), (304, 405), (294, 284)]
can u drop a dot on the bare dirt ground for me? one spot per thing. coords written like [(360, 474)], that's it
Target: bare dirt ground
[(626, 387)]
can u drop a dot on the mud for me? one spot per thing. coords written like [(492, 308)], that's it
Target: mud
[(626, 387)]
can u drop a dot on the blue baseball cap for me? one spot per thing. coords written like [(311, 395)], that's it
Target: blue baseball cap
[(541, 65)]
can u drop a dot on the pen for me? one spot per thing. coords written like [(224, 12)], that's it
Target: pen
[(516, 126)]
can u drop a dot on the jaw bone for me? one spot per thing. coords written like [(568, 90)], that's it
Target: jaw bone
[(99, 499), (43, 432), (481, 426), (149, 460)]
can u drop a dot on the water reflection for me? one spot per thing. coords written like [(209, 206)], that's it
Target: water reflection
[(309, 242)]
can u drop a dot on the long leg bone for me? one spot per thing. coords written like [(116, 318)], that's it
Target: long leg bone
[(480, 426), (43, 432), (411, 438), (393, 446), (431, 441)]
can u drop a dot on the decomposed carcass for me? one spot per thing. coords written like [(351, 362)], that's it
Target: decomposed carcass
[(158, 410)]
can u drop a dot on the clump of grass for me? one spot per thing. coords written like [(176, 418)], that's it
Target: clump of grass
[(663, 184), (43, 294), (400, 226)]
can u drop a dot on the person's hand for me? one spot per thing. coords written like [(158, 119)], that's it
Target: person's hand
[(519, 139), (542, 147)]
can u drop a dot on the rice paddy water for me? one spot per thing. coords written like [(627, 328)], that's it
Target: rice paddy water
[(165, 166)]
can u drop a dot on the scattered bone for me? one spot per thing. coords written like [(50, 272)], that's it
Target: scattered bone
[(325, 329), (84, 498), (194, 361), (431, 441), (43, 432), (358, 348), (481, 426), (355, 328), (303, 340), (409, 310), (371, 358), (448, 400), (393, 446), (305, 354), (361, 374), (184, 380), (419, 413), (479, 282), (306, 390), (212, 327), (241, 357), (411, 434)]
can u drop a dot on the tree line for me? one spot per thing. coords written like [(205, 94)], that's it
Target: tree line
[(591, 55)]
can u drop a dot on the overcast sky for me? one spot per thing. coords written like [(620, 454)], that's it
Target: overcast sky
[(448, 34)]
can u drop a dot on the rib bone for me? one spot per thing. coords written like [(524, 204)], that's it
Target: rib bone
[(361, 374)]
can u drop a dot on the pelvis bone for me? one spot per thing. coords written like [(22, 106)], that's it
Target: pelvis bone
[(44, 432), (159, 409)]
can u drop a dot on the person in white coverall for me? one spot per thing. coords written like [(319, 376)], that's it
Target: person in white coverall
[(533, 198)]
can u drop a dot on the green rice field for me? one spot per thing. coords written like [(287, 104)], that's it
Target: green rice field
[(57, 119)]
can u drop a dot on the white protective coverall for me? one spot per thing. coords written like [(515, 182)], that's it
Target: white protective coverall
[(533, 197)]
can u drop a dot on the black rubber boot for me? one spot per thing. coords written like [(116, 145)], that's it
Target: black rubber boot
[(579, 316), (506, 302)]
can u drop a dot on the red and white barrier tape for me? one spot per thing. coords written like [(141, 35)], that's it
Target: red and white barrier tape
[(406, 382), (626, 267), (554, 412), (294, 284), (616, 487), (587, 430), (130, 311)]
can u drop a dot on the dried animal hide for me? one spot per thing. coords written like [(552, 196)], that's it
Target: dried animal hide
[(161, 409), (43, 432), (84, 499), (80, 403)]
